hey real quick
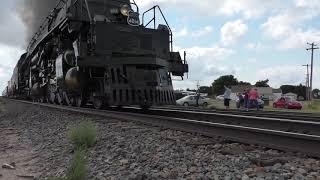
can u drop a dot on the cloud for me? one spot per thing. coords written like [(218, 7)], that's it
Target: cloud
[(202, 32), (245, 8), (287, 27), (252, 60), (299, 39), (9, 55), (280, 75), (248, 8), (180, 32), (204, 65), (232, 31), (257, 47), (12, 30)]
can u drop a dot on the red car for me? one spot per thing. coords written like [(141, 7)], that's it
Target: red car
[(287, 103)]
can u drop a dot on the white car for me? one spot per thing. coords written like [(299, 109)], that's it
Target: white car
[(220, 97), (192, 101)]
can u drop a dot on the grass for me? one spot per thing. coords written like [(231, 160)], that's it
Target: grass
[(78, 168), (84, 135)]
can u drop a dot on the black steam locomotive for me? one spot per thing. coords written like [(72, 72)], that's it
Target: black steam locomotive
[(99, 51)]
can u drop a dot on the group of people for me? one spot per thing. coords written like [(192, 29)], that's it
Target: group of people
[(247, 99)]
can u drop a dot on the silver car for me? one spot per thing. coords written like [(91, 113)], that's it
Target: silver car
[(192, 101)]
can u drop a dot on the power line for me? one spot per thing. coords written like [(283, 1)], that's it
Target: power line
[(313, 47)]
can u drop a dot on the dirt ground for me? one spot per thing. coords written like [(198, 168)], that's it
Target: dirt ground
[(14, 151)]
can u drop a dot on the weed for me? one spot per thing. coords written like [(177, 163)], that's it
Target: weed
[(84, 135), (78, 169)]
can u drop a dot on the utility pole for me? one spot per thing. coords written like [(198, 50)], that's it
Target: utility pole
[(307, 83), (313, 47)]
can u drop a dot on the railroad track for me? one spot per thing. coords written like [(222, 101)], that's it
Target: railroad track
[(274, 114), (283, 134)]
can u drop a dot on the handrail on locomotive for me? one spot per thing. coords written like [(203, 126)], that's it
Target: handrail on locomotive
[(154, 22)]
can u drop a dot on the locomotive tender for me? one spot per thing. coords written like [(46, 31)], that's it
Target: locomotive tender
[(98, 51)]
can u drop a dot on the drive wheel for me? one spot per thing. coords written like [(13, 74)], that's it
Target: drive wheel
[(205, 104), (58, 99), (80, 101), (67, 99), (97, 103), (186, 104), (50, 94)]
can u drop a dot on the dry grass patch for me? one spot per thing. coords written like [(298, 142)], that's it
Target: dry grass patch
[(84, 135)]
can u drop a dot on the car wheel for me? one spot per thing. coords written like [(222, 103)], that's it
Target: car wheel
[(185, 104), (205, 104), (274, 106), (286, 106)]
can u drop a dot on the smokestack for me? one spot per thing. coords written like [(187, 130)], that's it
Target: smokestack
[(33, 13)]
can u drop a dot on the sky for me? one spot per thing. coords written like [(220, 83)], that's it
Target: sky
[(250, 39)]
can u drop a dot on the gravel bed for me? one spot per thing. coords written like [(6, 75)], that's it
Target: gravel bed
[(127, 150)]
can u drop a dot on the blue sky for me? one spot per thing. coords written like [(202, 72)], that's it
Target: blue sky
[(251, 39)]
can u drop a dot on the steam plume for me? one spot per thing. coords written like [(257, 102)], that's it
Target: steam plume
[(33, 13)]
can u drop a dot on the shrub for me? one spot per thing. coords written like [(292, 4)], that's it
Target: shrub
[(78, 169), (84, 135)]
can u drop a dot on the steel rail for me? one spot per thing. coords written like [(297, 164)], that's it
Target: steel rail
[(287, 125), (274, 114), (288, 141)]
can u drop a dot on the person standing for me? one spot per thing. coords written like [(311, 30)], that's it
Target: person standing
[(253, 98), (227, 97), (240, 102), (246, 99)]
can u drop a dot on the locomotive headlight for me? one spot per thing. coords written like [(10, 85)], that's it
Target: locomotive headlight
[(125, 9)]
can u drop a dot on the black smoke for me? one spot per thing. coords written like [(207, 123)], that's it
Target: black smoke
[(33, 13)]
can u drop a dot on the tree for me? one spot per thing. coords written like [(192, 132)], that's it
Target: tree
[(299, 90), (218, 84), (316, 93), (244, 83), (262, 83)]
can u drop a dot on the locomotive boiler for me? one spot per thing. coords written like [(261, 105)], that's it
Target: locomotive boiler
[(102, 52)]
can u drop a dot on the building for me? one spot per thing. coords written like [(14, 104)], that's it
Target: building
[(277, 93), (292, 96)]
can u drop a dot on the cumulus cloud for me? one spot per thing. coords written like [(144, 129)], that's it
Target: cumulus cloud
[(246, 8), (287, 27), (180, 32), (257, 47), (280, 75), (203, 63), (9, 55), (232, 31), (202, 32)]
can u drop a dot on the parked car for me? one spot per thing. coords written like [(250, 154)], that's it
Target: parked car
[(220, 97), (287, 103), (192, 101)]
